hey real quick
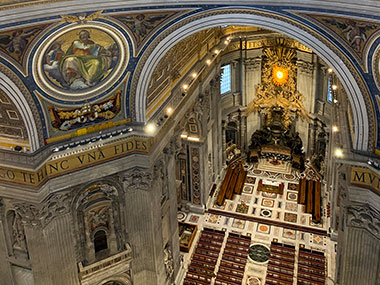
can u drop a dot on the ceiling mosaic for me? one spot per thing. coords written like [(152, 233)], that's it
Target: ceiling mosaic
[(79, 68), (356, 34)]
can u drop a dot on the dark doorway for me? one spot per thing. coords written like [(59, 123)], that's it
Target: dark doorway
[(100, 241)]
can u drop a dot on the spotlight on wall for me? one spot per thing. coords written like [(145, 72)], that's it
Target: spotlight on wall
[(194, 139), (184, 135), (339, 152), (185, 86), (330, 70), (150, 128), (169, 110), (334, 129), (216, 51), (208, 61), (194, 74)]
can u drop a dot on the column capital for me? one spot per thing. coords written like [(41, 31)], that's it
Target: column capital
[(252, 64), (137, 178), (41, 215), (364, 216), (305, 67)]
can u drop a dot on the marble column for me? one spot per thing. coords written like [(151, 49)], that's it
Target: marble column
[(171, 210), (360, 248), (90, 249), (50, 240), (61, 251), (143, 220), (38, 250), (252, 79), (5, 268), (112, 241), (306, 85)]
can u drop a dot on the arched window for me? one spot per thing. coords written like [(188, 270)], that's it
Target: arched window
[(225, 81), (100, 241)]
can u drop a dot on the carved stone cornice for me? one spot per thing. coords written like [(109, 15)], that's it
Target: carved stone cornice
[(252, 64), (43, 214), (138, 179), (364, 216), (305, 67)]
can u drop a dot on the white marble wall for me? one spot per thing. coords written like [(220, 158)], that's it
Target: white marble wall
[(306, 85)]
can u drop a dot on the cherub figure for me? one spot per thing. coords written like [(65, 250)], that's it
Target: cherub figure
[(141, 25), (16, 43), (354, 31)]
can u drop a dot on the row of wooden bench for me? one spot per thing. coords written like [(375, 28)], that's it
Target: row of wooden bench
[(280, 270), (234, 259), (233, 183), (311, 267), (281, 264), (310, 196), (202, 266)]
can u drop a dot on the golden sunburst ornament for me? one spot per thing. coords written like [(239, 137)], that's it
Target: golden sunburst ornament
[(280, 75)]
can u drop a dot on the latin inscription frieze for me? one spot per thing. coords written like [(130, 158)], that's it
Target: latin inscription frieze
[(74, 162)]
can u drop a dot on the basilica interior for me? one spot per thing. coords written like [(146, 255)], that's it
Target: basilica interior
[(189, 144)]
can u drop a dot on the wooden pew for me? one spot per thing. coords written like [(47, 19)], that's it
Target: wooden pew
[(309, 199), (317, 203), (232, 183), (223, 187), (241, 179), (302, 191)]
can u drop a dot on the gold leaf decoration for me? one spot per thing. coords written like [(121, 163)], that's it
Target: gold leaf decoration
[(277, 90)]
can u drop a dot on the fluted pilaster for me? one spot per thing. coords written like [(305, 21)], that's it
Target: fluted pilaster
[(141, 223), (361, 246), (361, 257), (61, 251)]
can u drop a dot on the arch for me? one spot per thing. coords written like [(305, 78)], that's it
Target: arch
[(100, 240), (122, 279), (25, 109), (235, 17)]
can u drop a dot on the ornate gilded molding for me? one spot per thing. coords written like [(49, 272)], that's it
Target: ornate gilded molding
[(39, 141), (278, 88), (297, 25)]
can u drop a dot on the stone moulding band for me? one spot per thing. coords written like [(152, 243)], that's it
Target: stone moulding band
[(75, 162)]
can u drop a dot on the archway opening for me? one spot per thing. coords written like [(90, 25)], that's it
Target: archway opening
[(100, 241), (361, 140)]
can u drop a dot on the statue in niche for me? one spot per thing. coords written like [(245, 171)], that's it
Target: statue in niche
[(18, 234), (169, 264)]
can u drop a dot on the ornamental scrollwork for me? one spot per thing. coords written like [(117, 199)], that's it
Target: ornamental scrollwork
[(138, 179), (41, 215), (364, 216)]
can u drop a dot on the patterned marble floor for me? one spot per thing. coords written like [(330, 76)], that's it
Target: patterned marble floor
[(274, 219)]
